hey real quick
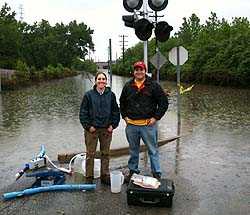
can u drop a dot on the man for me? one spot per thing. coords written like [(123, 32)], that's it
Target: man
[(142, 103)]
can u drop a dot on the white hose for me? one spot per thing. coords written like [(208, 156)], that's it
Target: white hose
[(69, 170)]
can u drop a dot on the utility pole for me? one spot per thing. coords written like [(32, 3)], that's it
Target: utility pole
[(157, 51), (21, 12), (110, 62), (123, 46), (89, 52), (145, 43)]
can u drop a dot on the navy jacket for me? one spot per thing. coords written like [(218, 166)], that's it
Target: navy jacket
[(99, 111), (150, 101)]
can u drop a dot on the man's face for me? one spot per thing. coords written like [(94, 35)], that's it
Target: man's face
[(139, 73)]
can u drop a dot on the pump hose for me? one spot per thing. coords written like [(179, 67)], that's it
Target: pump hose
[(64, 187)]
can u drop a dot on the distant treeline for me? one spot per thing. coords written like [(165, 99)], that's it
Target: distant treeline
[(219, 52), (41, 50)]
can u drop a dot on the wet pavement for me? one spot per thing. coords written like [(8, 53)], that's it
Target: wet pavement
[(203, 186), (100, 201), (210, 165)]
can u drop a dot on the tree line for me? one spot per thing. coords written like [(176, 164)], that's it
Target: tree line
[(43, 51), (219, 52)]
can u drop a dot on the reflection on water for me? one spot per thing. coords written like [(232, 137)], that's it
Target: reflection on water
[(1, 111)]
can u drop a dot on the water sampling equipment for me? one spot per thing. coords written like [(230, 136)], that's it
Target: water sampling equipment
[(80, 165), (160, 197), (40, 161), (35, 163), (46, 179)]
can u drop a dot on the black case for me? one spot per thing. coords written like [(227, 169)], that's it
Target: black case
[(163, 196)]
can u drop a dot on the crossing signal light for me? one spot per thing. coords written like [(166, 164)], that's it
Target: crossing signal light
[(157, 5), (131, 5), (129, 20), (162, 31), (143, 29)]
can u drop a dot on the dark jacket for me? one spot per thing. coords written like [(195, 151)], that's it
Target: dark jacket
[(150, 101), (99, 111)]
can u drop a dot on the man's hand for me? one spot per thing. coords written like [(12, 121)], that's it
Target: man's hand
[(152, 121), (92, 129)]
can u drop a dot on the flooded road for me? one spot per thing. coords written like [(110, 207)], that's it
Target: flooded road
[(210, 164)]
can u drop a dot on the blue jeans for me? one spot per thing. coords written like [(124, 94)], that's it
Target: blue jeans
[(149, 136)]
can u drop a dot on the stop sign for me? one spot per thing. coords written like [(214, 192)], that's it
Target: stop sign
[(183, 55)]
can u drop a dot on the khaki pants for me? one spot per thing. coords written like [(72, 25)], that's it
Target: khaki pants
[(91, 140)]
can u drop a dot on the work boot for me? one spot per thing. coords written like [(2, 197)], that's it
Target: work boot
[(105, 179), (157, 176)]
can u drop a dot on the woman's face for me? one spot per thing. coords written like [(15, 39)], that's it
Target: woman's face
[(101, 81)]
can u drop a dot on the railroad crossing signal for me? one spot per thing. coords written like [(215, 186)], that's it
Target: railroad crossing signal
[(131, 5), (162, 31), (143, 27)]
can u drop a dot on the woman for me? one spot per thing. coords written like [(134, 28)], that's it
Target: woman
[(99, 116)]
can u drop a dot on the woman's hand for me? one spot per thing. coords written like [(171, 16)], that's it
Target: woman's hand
[(110, 129), (92, 129)]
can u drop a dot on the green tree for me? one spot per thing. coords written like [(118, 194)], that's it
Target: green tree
[(189, 30), (9, 38), (219, 52), (46, 45)]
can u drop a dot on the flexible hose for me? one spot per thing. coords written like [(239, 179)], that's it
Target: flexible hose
[(69, 170), (64, 187)]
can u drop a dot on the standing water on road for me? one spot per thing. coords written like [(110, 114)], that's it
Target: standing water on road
[(210, 164)]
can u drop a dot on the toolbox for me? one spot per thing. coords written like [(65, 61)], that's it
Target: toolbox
[(162, 196)]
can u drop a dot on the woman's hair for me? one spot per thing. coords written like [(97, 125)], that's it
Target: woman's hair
[(99, 73)]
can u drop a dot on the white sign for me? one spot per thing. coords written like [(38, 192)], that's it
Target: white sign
[(183, 55), (158, 60)]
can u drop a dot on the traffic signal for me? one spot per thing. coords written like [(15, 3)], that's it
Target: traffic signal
[(131, 5), (129, 20), (162, 31), (143, 29), (157, 5)]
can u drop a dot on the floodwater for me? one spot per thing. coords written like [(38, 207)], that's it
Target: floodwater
[(210, 164)]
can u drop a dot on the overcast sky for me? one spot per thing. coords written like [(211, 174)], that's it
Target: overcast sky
[(104, 16)]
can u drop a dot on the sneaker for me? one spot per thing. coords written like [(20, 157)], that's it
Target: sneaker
[(157, 176), (105, 180)]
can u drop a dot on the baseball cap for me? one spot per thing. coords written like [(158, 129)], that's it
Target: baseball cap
[(140, 64)]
